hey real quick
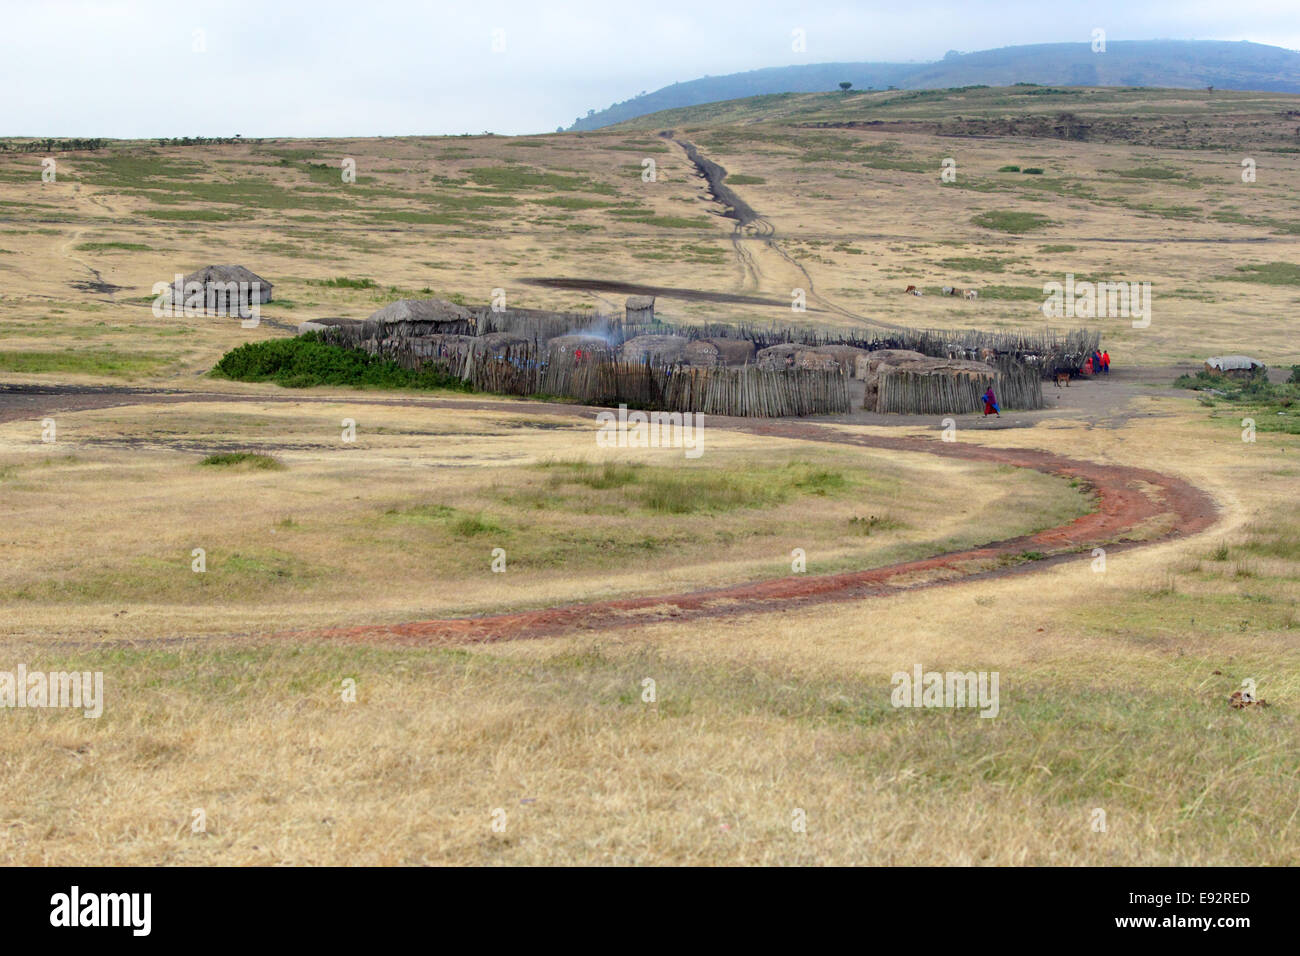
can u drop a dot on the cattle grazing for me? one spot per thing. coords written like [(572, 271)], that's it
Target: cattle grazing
[(949, 290), (971, 294)]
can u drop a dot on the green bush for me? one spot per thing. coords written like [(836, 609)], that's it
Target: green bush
[(1008, 169), (1032, 171), (307, 360)]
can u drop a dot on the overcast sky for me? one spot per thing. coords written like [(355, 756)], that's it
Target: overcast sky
[(143, 68)]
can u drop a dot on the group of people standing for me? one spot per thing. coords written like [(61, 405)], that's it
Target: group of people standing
[(1098, 363)]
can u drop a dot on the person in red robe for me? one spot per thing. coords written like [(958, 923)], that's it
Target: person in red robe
[(991, 403)]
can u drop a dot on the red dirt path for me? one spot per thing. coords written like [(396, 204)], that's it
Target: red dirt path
[(1126, 498)]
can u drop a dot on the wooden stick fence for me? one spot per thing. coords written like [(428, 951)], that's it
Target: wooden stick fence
[(601, 379), (914, 392)]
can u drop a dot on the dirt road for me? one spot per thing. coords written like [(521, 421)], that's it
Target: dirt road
[(1127, 498)]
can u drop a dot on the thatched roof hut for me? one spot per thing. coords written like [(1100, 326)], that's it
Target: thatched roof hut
[(869, 363), (734, 351), (498, 340), (320, 325), (640, 308), (408, 317), (660, 349), (701, 352), (792, 355), (220, 290), (719, 351), (845, 355), (568, 344)]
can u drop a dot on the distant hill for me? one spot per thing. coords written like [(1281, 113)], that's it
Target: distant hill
[(1181, 64)]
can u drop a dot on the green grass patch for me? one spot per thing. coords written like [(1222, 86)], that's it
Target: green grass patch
[(110, 246), (1011, 222), (246, 460), (79, 361), (190, 215), (1269, 273), (973, 264), (1272, 407), (1158, 173)]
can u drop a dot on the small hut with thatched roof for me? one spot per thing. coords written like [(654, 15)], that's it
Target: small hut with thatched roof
[(640, 309), (734, 351), (659, 349), (495, 343), (571, 344), (793, 355), (411, 317), (220, 290), (320, 325), (846, 356)]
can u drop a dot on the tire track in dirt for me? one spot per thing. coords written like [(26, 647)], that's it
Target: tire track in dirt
[(750, 226)]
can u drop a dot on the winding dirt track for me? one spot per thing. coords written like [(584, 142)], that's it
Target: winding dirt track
[(1126, 499)]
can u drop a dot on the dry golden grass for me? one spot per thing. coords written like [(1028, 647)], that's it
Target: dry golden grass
[(1109, 700), (403, 521), (1114, 686)]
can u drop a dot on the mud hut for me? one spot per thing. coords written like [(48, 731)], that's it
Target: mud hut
[(846, 356), (220, 290), (640, 309), (417, 317), (570, 344), (321, 325), (702, 353), (497, 342), (791, 355), (658, 349), (868, 363), (734, 351)]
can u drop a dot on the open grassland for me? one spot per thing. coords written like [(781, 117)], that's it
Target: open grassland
[(1114, 690), (858, 212), (1114, 680), (300, 527)]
